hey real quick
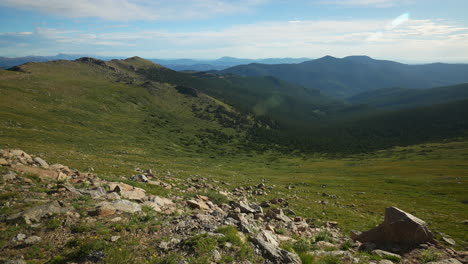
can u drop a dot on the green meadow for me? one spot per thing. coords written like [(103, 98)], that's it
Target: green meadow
[(81, 116)]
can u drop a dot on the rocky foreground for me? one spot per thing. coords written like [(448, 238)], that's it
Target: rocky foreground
[(54, 214)]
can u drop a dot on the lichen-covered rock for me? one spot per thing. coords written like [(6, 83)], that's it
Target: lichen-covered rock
[(34, 214), (274, 253), (398, 227)]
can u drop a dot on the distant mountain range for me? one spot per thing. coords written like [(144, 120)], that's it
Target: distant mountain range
[(174, 64), (219, 64), (349, 76)]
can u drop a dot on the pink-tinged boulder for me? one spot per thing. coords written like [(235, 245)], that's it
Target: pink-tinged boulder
[(398, 227)]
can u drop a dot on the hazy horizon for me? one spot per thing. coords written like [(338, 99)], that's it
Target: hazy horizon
[(409, 31), (222, 57)]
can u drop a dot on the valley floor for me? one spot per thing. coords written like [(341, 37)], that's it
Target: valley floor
[(429, 180)]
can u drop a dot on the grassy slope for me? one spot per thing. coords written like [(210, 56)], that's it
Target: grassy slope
[(82, 108), (75, 114), (264, 96)]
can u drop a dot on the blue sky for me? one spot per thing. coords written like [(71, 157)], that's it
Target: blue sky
[(413, 31)]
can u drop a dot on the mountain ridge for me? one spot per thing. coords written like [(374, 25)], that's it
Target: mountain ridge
[(351, 75)]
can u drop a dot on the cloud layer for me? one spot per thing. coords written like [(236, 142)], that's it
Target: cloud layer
[(126, 10), (402, 39)]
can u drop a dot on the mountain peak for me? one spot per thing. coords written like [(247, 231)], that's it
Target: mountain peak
[(360, 58), (328, 57)]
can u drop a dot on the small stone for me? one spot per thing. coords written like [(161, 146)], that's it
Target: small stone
[(32, 240), (216, 255), (449, 241), (116, 219), (3, 162), (62, 176), (324, 245), (268, 236), (198, 204), (104, 210), (41, 162), (383, 254), (140, 178), (385, 261), (126, 206), (156, 183), (19, 237), (9, 176), (114, 238), (112, 196)]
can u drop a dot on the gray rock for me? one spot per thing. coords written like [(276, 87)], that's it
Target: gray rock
[(268, 236), (278, 214), (398, 227), (276, 254), (140, 178), (19, 237), (216, 255), (324, 245), (245, 207), (198, 204), (34, 214), (385, 261), (127, 191), (97, 193), (383, 254), (70, 188), (32, 240), (449, 241), (126, 206), (41, 162), (10, 175), (257, 208), (114, 238), (112, 196)]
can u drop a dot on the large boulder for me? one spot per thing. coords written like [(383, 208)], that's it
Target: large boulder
[(398, 227)]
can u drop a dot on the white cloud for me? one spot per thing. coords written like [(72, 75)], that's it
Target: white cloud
[(407, 39), (125, 10), (372, 3)]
